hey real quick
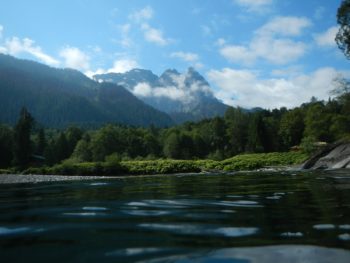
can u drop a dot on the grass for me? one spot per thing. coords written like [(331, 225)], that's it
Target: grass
[(236, 163)]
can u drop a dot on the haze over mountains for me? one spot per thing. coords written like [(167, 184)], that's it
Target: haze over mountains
[(185, 96), (61, 97)]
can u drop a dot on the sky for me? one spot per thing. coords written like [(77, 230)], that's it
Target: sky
[(254, 53)]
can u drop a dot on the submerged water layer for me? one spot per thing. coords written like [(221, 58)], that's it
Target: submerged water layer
[(243, 217)]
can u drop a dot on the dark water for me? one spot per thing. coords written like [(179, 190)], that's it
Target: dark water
[(245, 217)]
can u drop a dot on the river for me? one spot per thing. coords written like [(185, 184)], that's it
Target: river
[(239, 217)]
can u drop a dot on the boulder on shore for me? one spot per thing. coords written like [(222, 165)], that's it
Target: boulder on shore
[(333, 156)]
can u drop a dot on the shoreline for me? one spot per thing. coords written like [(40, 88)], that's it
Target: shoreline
[(44, 178), (41, 178)]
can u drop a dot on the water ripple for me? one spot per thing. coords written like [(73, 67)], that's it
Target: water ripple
[(11, 231), (94, 208), (188, 229), (133, 251), (344, 237), (239, 203), (292, 234), (324, 226), (145, 212)]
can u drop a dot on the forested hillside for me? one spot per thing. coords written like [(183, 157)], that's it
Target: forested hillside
[(62, 97)]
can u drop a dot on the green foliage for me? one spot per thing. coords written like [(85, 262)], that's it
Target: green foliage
[(88, 168), (308, 145), (256, 134), (22, 147), (6, 146), (291, 128), (82, 150), (112, 165), (343, 19), (160, 167), (256, 161), (237, 125), (40, 143), (317, 122)]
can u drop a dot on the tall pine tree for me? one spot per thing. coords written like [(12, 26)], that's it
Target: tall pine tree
[(22, 147)]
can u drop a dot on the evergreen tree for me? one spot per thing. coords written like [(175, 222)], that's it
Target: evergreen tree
[(172, 146), (343, 19), (237, 126), (291, 128), (82, 150), (6, 145), (61, 148), (41, 142), (22, 148), (256, 134)]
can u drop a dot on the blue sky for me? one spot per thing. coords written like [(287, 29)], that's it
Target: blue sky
[(267, 53)]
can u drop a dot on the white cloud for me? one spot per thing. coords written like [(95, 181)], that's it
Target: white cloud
[(186, 56), (238, 53), (123, 65), (278, 51), (119, 66), (142, 15), (1, 30), (253, 2), (125, 40), (254, 5), (291, 71), (75, 58), (220, 42), (327, 38), (171, 92), (284, 26), (179, 90), (151, 34), (142, 90), (271, 42), (15, 46), (246, 88), (91, 73), (154, 35)]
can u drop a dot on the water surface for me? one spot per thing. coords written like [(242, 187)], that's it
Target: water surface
[(243, 217)]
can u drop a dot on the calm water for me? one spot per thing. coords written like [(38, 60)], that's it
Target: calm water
[(244, 217)]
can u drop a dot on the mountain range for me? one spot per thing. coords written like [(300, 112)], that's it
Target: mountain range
[(184, 97), (62, 97)]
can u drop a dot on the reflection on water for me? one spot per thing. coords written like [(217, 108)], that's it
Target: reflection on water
[(243, 217)]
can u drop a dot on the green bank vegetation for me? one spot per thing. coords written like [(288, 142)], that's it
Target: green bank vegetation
[(168, 166)]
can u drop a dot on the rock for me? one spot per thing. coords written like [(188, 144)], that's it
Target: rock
[(333, 156)]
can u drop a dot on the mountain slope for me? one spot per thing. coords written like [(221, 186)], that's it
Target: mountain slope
[(60, 97), (185, 96)]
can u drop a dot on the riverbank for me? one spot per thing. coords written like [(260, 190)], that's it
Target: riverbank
[(168, 166), (37, 178)]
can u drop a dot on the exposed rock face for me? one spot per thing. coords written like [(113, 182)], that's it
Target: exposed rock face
[(334, 156)]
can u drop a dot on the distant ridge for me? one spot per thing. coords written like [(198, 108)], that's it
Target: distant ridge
[(61, 97)]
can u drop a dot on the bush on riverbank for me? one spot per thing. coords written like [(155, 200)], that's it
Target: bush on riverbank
[(160, 167), (115, 167), (260, 160)]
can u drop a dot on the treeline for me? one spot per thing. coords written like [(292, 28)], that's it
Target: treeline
[(239, 131)]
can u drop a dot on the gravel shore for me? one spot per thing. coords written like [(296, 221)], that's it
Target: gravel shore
[(31, 178)]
